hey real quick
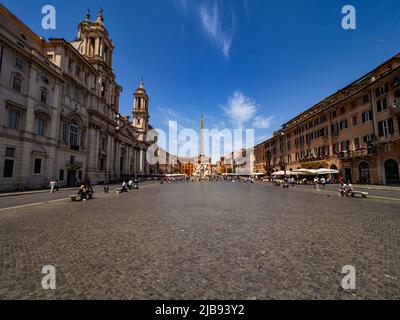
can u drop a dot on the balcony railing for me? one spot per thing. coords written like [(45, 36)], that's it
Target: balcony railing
[(395, 109), (359, 153), (314, 158), (74, 164)]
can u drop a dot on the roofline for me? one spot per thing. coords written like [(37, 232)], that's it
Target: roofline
[(22, 25), (70, 46), (397, 56)]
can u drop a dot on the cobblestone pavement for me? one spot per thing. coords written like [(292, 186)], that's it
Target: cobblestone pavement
[(203, 241)]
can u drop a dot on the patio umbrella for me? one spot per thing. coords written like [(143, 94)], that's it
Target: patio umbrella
[(279, 173), (327, 171), (305, 172)]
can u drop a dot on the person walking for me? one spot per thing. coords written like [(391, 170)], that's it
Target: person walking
[(130, 185), (323, 183), (316, 182), (52, 185), (57, 185)]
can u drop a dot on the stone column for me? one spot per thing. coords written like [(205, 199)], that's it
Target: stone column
[(141, 163), (92, 155), (97, 148)]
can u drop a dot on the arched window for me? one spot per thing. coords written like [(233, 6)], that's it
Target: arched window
[(392, 172)]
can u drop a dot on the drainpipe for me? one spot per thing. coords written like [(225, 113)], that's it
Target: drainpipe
[(376, 134), (1, 57)]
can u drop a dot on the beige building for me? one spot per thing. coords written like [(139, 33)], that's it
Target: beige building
[(59, 109), (355, 130)]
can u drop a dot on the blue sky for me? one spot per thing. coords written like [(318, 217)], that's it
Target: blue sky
[(249, 63)]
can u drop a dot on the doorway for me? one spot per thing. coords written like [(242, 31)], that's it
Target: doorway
[(365, 173), (71, 178), (348, 175)]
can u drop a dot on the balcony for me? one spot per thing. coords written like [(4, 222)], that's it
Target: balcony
[(74, 147), (395, 109), (314, 158), (73, 165), (357, 154)]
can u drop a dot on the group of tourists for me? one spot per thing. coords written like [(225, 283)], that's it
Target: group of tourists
[(54, 186), (320, 182), (176, 179), (346, 188), (130, 185), (85, 192)]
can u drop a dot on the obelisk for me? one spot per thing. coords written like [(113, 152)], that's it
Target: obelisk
[(202, 154)]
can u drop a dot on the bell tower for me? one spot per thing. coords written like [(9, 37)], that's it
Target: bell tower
[(141, 109), (95, 42)]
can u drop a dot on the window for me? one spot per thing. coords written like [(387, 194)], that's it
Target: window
[(382, 90), (83, 134), (77, 94), (8, 168), (345, 146), (343, 124), (61, 176), (334, 114), (17, 84), (50, 56), (367, 116), (368, 138), (19, 63), (37, 168), (67, 90), (64, 133), (43, 96), (103, 90), (13, 119), (356, 143), (336, 148), (80, 175), (77, 71), (10, 152), (73, 133), (366, 98), (342, 110), (381, 105), (354, 120), (40, 126), (385, 127)]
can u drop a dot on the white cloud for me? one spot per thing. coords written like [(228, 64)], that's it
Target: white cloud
[(212, 24), (261, 122), (165, 115), (240, 109)]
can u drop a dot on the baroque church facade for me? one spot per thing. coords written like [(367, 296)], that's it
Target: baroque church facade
[(59, 109)]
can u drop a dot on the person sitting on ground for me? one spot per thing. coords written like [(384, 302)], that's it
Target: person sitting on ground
[(89, 191), (82, 193)]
